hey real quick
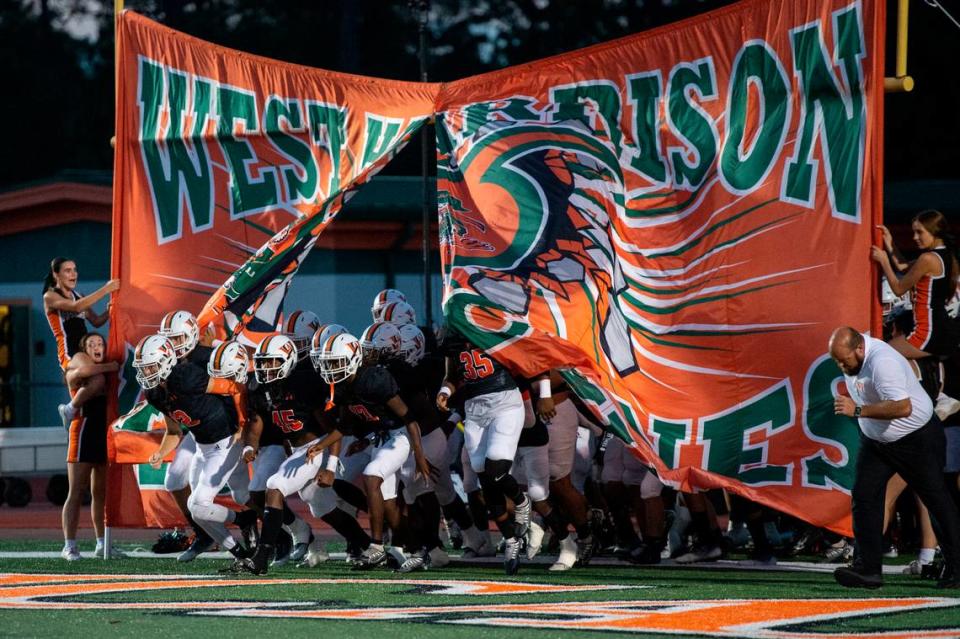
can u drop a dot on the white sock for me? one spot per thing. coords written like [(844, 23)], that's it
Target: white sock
[(299, 530), (70, 544), (926, 555), (100, 542), (229, 543)]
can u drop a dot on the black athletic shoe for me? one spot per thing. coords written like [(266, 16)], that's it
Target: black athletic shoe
[(854, 577), (645, 555), (511, 556), (258, 564)]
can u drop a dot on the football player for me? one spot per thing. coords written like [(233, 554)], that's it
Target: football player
[(290, 395), (211, 410), (494, 418), (369, 403)]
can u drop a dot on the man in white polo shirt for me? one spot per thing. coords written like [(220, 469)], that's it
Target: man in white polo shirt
[(899, 434)]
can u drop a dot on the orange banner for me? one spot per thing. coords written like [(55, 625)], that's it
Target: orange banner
[(226, 169), (678, 220)]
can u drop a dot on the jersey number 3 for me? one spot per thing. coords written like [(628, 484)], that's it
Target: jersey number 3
[(284, 420), (476, 365)]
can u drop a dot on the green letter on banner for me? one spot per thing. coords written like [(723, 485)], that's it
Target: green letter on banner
[(177, 161), (743, 169), (829, 114)]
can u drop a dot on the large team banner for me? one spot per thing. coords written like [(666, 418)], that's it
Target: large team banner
[(678, 220), (227, 168)]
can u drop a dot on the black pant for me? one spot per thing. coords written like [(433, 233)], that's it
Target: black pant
[(919, 458)]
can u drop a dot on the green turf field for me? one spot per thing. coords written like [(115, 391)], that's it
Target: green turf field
[(143, 597)]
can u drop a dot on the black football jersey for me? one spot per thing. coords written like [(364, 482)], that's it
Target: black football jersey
[(290, 405), (363, 405), (185, 400), (415, 391), (481, 374)]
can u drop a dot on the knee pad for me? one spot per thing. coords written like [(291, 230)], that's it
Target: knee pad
[(201, 509), (496, 469)]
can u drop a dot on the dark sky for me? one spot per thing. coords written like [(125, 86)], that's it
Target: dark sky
[(65, 118)]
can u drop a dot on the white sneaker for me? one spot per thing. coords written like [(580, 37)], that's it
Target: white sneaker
[(70, 554), (115, 553), (316, 555), (415, 562), (534, 539), (568, 554), (439, 558), (67, 413), (915, 567)]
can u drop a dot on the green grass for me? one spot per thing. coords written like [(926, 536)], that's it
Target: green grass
[(662, 583)]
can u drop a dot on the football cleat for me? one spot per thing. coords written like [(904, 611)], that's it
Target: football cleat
[(197, 547), (568, 555), (282, 549), (511, 555), (316, 554), (534, 539), (585, 550), (521, 516), (395, 557), (257, 564), (415, 562), (370, 558)]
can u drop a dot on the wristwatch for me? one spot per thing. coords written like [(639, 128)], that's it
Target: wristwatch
[(857, 410)]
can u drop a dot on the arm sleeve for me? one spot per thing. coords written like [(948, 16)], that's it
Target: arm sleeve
[(888, 379)]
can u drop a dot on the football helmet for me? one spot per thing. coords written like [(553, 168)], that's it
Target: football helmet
[(384, 297), (398, 313), (339, 358), (889, 299), (300, 327), (380, 342), (180, 327), (229, 360), (325, 332), (153, 360), (274, 358), (412, 344)]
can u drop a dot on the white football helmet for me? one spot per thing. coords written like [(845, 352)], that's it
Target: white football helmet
[(384, 297), (380, 342), (153, 360), (398, 313), (180, 327), (325, 332), (412, 344), (229, 360), (274, 358), (339, 358), (889, 300), (300, 327)]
